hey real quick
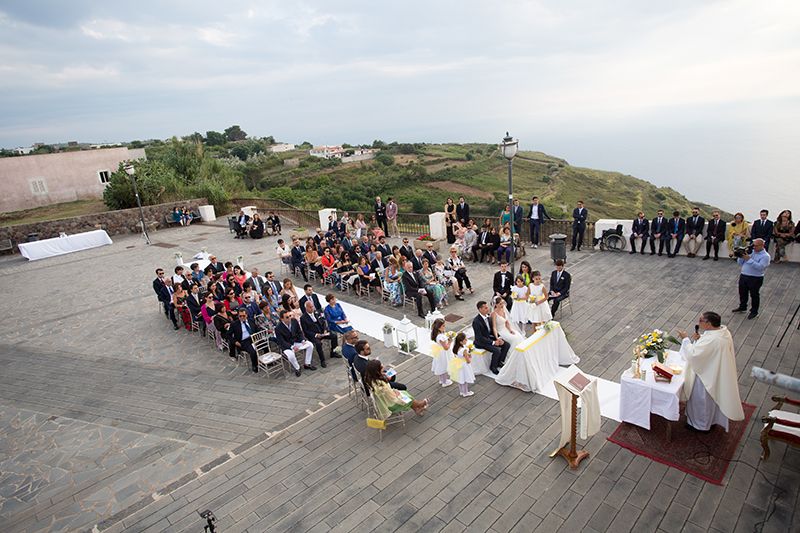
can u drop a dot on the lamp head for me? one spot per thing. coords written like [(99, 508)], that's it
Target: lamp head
[(129, 169), (509, 147)]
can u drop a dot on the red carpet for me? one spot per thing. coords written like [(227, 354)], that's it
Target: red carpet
[(688, 451)]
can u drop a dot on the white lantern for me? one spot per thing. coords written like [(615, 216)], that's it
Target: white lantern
[(407, 340), (509, 147), (430, 318)]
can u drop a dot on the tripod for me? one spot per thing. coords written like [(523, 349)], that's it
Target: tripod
[(791, 320)]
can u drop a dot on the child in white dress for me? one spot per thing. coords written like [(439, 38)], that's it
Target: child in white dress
[(460, 367), (539, 310), (520, 312), (440, 351)]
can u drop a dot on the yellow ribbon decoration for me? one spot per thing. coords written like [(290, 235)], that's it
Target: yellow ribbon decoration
[(454, 366), (522, 347)]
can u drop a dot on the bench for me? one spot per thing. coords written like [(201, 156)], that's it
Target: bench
[(6, 246), (780, 425)]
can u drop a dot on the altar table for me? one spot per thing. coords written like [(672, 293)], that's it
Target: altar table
[(638, 398)]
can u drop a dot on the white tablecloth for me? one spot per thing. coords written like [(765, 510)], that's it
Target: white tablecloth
[(64, 245), (637, 398), (533, 364)]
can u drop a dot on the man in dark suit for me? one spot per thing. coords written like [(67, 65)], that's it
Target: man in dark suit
[(272, 282), (315, 330), (483, 245), (415, 288), (579, 217), (363, 351), (163, 289), (380, 215), (518, 215), (658, 232), (312, 296), (485, 338), (380, 263), (639, 231), (431, 255), (291, 341), (694, 232), (416, 260), (333, 224), (677, 229), (383, 247), (502, 283), (762, 229), (299, 258), (462, 211), (257, 280), (215, 265), (536, 215), (241, 333), (242, 221), (715, 234), (406, 250), (560, 281), (193, 302)]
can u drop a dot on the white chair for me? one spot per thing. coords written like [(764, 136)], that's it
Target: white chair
[(566, 302), (391, 420)]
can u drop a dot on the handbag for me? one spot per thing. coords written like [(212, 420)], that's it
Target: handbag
[(462, 270)]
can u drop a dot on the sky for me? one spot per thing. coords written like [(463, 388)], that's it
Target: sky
[(700, 96)]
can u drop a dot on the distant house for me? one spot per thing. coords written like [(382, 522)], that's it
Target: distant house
[(44, 179), (326, 152), (345, 154), (281, 147)]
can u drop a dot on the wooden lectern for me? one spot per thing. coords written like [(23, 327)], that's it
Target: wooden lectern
[(569, 451)]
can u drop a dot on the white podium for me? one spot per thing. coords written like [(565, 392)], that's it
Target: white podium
[(207, 213), (437, 225)]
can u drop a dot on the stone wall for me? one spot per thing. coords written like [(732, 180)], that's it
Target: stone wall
[(114, 222)]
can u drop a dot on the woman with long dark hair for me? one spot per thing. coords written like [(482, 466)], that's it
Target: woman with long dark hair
[(387, 399)]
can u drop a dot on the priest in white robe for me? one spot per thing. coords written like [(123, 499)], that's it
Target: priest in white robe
[(710, 385)]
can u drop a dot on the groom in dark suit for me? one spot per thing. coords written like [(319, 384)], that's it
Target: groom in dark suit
[(485, 338)]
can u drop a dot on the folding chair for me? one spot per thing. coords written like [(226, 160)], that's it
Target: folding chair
[(391, 420), (566, 302)]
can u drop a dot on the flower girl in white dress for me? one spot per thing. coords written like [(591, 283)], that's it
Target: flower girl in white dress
[(520, 312), (503, 326), (461, 370), (440, 351), (539, 310)]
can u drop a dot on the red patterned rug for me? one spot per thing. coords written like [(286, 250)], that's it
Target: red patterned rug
[(703, 455)]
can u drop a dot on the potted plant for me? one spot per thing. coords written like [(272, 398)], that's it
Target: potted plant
[(388, 335), (421, 242), (301, 233), (408, 346)]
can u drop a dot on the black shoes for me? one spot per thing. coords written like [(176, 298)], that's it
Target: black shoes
[(632, 252), (297, 372), (739, 310), (309, 367), (692, 428), (255, 370), (494, 370), (335, 355), (751, 315), (706, 258), (323, 364)]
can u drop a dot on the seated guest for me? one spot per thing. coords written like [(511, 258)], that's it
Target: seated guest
[(406, 250), (242, 221), (762, 228), (288, 288), (274, 284), (482, 245), (177, 216), (257, 280), (470, 240), (366, 277), (486, 339), (311, 296), (414, 287), (379, 264), (349, 347), (186, 216), (250, 305), (783, 232), (299, 258), (283, 252), (383, 247), (290, 304), (179, 279), (715, 234), (432, 285), (430, 254), (315, 330), (502, 283), (694, 232), (659, 231), (197, 274), (504, 246), (179, 298), (239, 275), (194, 302), (329, 264), (256, 227), (241, 332), (677, 229), (738, 233), (456, 265), (363, 351), (391, 282), (334, 314), (232, 302), (639, 230), (710, 379), (222, 324), (560, 281), (218, 267), (274, 222), (416, 260), (291, 341), (312, 258), (387, 399), (228, 271)]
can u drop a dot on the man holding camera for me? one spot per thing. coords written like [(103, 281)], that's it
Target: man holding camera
[(753, 264)]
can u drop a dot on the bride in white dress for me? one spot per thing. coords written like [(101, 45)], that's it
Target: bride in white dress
[(502, 324)]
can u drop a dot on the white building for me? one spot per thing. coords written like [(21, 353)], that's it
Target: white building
[(345, 154), (326, 152), (281, 147)]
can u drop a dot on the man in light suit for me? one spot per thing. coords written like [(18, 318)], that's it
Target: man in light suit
[(485, 338), (659, 231), (257, 280), (762, 229), (560, 282), (579, 217), (694, 232), (639, 231), (536, 215)]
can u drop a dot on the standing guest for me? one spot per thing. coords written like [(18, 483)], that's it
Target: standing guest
[(560, 281), (241, 334), (711, 381), (677, 229), (502, 283), (714, 235), (380, 214), (536, 215), (387, 399), (486, 339), (783, 231), (222, 324), (518, 214), (694, 232), (450, 218), (462, 211), (299, 258), (521, 310), (456, 265), (333, 224), (360, 226), (415, 288), (242, 221), (639, 230), (659, 231), (257, 227), (440, 352), (315, 330), (738, 233), (762, 229), (391, 216), (539, 312), (752, 277), (579, 217), (505, 216), (463, 374), (470, 240), (334, 314), (291, 341)]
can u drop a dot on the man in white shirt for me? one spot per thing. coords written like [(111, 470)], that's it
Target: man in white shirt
[(283, 252)]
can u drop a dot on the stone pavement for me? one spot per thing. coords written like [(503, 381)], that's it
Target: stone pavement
[(111, 418)]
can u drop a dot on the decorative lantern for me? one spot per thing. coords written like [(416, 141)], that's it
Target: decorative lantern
[(430, 318), (407, 339)]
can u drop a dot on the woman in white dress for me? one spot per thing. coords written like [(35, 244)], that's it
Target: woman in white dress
[(503, 326), (440, 351), (521, 309), (539, 311)]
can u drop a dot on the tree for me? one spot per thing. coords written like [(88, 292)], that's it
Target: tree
[(194, 137), (215, 138), (235, 133)]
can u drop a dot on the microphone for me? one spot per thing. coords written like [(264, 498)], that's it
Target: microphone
[(697, 328)]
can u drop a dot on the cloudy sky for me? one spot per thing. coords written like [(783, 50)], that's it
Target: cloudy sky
[(700, 96)]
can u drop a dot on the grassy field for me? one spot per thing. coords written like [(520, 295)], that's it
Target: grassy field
[(53, 212)]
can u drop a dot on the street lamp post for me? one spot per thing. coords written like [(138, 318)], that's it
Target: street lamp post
[(509, 149), (131, 171)]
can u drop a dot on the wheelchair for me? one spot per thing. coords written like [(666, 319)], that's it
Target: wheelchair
[(611, 240)]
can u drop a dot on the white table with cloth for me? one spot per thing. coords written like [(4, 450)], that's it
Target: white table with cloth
[(64, 245), (639, 398), (533, 364)]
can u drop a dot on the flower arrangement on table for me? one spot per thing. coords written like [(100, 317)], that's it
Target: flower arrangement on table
[(388, 329), (550, 325), (408, 346), (425, 237), (653, 344)]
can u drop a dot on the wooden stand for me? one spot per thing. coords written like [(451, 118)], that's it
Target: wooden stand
[(568, 451)]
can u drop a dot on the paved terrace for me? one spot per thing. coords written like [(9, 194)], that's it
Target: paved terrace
[(110, 418)]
